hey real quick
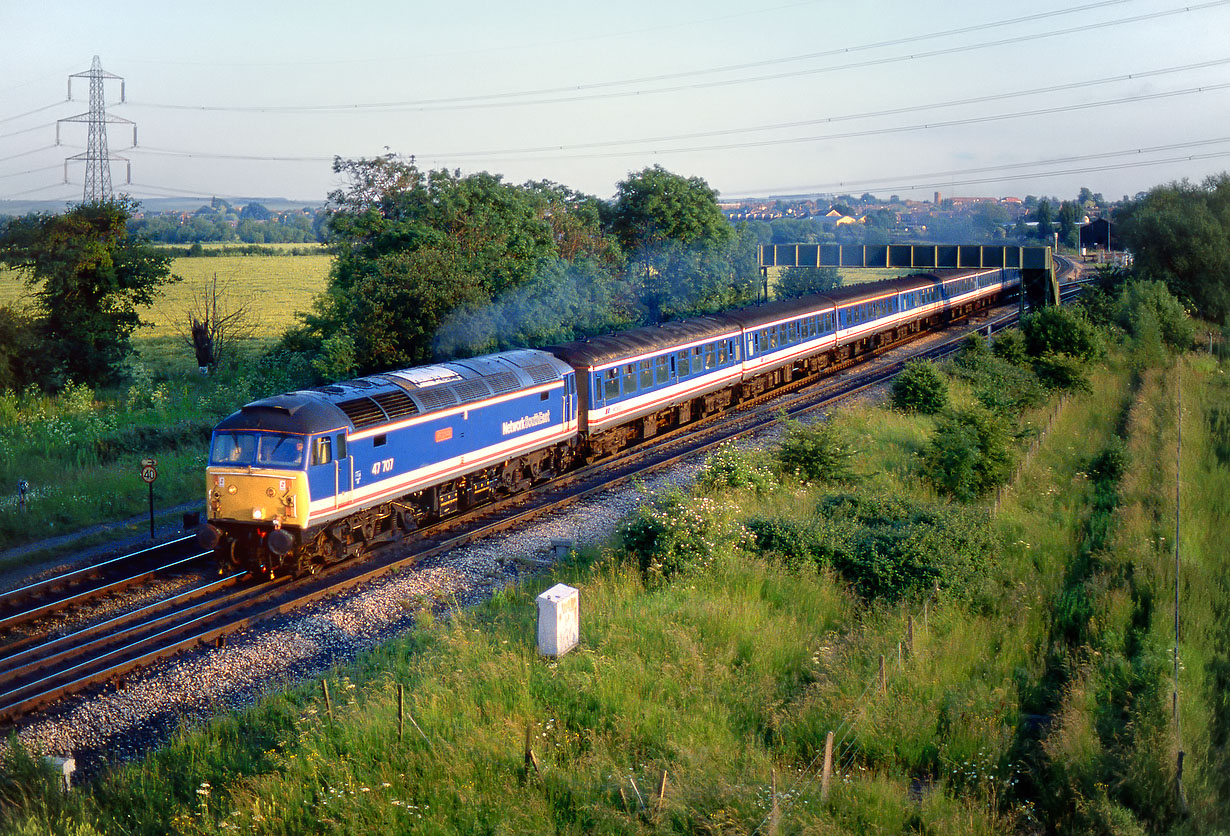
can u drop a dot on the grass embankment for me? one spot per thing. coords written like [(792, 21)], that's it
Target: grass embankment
[(1027, 693)]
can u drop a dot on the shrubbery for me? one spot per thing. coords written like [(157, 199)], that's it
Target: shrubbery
[(816, 453), (920, 388), (886, 548), (970, 454), (730, 469), (998, 383), (675, 534), (1059, 330)]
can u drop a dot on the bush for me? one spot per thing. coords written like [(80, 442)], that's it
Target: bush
[(1059, 330), (1010, 345), (1000, 385), (815, 453), (1062, 372), (969, 454), (885, 548), (730, 469), (1152, 302), (676, 534), (920, 388)]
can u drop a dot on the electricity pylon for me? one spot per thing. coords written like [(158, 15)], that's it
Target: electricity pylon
[(96, 156)]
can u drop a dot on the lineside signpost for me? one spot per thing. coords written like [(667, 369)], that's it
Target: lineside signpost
[(149, 472)]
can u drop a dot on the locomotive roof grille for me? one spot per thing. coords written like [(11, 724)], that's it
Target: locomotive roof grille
[(468, 391), (396, 404), (438, 397), (363, 412), (503, 382), (541, 373)]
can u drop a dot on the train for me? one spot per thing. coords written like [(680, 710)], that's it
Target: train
[(304, 479)]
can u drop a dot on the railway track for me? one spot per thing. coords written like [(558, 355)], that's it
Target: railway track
[(34, 674), (27, 605)]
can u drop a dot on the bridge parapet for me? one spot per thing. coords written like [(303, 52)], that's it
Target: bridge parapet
[(1035, 263)]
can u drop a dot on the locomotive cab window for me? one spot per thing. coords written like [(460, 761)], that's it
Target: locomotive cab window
[(322, 451), (279, 450), (233, 448)]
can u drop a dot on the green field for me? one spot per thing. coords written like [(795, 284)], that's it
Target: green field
[(279, 285)]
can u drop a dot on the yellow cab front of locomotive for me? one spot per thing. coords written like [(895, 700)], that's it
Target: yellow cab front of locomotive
[(257, 478)]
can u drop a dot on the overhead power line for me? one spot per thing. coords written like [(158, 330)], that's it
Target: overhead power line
[(884, 182), (630, 144), (590, 92), (1057, 88), (1037, 175)]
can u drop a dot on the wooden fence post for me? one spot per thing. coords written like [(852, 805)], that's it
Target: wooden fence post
[(909, 635), (324, 687), (827, 775), (531, 760), (775, 813), (883, 678), (401, 712)]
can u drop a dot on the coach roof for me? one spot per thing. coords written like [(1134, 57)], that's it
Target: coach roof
[(650, 339)]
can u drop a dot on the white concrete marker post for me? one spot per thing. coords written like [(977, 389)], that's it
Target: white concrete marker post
[(559, 620)]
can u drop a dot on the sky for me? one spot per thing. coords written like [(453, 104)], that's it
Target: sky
[(761, 98)]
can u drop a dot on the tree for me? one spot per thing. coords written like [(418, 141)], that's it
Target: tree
[(1042, 215), (654, 206), (1180, 234), (684, 257), (1067, 217), (89, 278), (416, 250), (216, 318)]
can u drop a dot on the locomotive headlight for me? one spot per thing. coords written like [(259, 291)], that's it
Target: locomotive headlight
[(258, 513), (232, 489)]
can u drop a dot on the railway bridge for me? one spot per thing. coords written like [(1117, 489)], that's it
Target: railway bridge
[(1038, 282)]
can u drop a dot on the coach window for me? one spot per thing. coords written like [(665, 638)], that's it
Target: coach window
[(722, 353), (698, 363), (322, 450), (611, 384), (646, 374), (629, 378), (660, 373), (684, 367), (710, 360)]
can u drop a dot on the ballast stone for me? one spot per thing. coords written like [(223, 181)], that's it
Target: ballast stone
[(559, 627)]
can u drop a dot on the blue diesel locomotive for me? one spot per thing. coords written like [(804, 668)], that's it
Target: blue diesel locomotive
[(306, 478)]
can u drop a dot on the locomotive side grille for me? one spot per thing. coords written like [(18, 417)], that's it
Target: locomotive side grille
[(471, 390), (541, 373), (397, 404), (438, 397), (363, 412), (502, 382)]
